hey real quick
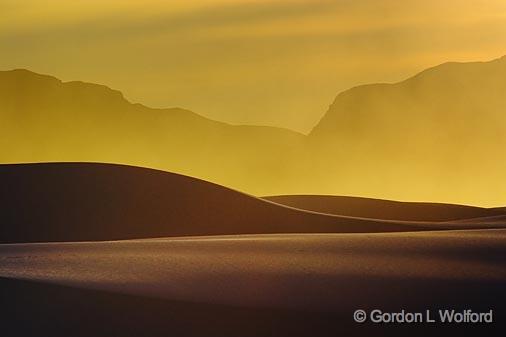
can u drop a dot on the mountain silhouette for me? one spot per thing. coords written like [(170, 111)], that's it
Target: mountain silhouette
[(50, 120), (443, 103), (437, 136), (440, 133)]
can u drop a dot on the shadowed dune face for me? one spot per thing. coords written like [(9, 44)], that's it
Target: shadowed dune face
[(77, 201), (102, 202), (83, 313), (71, 201), (384, 209)]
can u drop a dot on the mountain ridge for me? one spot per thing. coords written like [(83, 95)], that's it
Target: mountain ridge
[(51, 120), (434, 136), (118, 94), (420, 75), (437, 133)]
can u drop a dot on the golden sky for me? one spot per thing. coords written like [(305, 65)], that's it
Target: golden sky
[(269, 62)]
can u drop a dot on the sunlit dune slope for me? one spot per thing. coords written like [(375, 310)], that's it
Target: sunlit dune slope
[(323, 272), (383, 209), (87, 201)]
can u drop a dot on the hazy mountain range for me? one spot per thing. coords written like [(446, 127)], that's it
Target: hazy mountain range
[(438, 136), (43, 119)]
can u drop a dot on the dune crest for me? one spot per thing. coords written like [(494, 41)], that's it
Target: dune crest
[(91, 201), (384, 209)]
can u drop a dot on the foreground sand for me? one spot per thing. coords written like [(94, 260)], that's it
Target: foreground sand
[(251, 285), (323, 272)]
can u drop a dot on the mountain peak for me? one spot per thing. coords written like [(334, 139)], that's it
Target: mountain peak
[(36, 86), (24, 76), (95, 89), (448, 89)]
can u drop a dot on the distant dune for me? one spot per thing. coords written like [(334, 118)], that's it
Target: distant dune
[(87, 201), (384, 209)]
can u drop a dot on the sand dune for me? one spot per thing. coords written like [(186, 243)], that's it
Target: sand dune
[(88, 201), (306, 280), (322, 272), (500, 219), (252, 285), (384, 209)]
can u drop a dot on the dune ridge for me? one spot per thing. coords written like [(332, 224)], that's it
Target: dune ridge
[(92, 201), (384, 209)]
